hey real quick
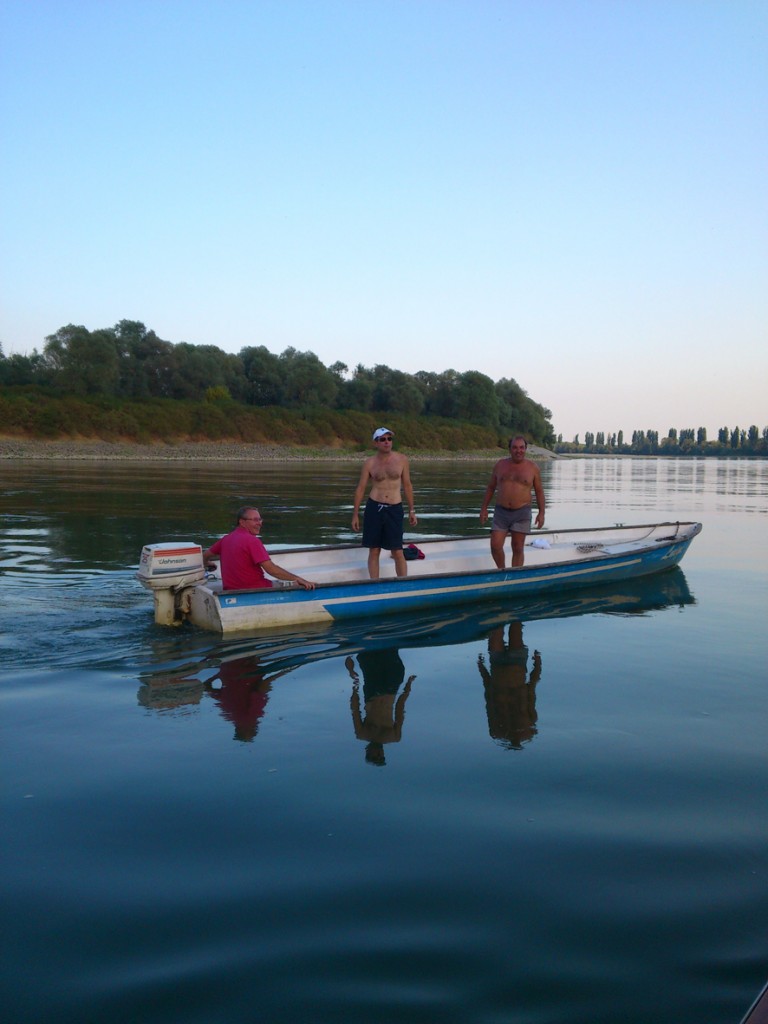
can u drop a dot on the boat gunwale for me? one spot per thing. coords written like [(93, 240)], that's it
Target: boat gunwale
[(403, 582), (485, 536)]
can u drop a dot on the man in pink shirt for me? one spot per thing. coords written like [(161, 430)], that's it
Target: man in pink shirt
[(244, 559)]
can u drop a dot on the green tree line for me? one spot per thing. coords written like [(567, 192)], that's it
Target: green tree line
[(129, 365), (730, 441)]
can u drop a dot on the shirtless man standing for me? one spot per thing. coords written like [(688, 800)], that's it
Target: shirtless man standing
[(513, 478), (388, 472)]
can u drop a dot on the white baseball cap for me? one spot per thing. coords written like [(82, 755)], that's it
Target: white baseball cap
[(380, 431)]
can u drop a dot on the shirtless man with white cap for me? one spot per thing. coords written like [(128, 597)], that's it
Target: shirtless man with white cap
[(390, 477)]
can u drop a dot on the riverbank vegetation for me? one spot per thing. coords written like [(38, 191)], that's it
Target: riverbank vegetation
[(730, 441), (125, 381), (34, 414)]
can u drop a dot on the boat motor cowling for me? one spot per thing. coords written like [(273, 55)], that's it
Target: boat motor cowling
[(167, 570), (170, 565)]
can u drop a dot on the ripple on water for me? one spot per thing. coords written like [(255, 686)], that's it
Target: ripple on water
[(72, 617)]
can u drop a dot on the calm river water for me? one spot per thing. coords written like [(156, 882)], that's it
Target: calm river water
[(568, 823)]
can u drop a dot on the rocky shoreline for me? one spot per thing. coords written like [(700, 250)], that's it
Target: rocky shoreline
[(26, 449)]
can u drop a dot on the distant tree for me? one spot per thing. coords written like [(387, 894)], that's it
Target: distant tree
[(477, 401), (735, 437), (640, 443), (264, 376), (129, 335), (82, 362), (147, 363), (395, 391), (687, 440), (701, 436), (199, 367), (519, 412), (339, 369), (357, 392), (218, 394), (440, 393), (406, 396), (513, 405), (306, 381), (18, 369)]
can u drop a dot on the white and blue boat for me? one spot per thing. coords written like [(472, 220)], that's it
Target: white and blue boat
[(456, 571)]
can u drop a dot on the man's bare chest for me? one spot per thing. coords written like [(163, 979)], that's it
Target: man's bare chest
[(520, 475), (387, 472)]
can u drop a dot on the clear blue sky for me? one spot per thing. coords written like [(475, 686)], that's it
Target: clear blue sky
[(572, 193)]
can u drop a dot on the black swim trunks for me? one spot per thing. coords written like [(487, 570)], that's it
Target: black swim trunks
[(383, 526)]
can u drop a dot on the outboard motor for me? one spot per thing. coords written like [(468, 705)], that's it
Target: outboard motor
[(167, 570)]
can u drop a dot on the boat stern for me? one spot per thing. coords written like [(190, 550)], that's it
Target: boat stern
[(170, 570)]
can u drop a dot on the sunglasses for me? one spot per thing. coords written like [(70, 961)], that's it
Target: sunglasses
[(387, 437)]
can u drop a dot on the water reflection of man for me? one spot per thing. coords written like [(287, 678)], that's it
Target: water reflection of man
[(510, 695), (383, 673), (243, 694)]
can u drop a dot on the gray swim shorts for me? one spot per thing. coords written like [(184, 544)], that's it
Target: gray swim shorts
[(512, 519)]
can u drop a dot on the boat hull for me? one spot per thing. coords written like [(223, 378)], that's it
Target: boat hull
[(576, 559)]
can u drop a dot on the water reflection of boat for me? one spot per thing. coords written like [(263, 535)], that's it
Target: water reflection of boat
[(287, 650), (758, 1011), (164, 690), (455, 626), (454, 572)]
